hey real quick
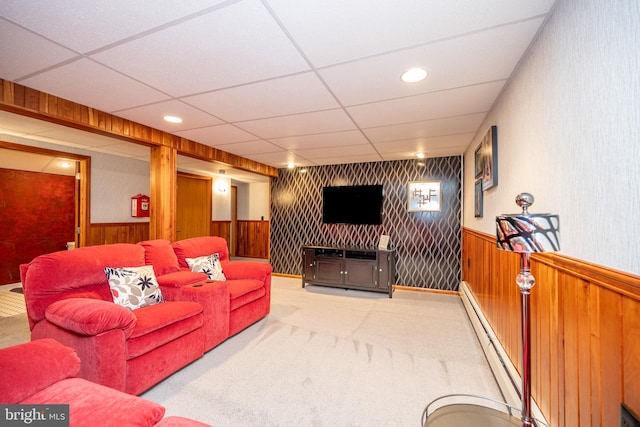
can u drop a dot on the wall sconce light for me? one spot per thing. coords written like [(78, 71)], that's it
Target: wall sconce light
[(221, 183)]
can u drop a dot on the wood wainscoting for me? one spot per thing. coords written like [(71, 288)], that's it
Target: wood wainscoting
[(585, 329), (253, 239), (117, 232), (253, 236)]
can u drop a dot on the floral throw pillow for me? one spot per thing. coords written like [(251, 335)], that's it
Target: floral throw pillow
[(209, 264), (134, 287)]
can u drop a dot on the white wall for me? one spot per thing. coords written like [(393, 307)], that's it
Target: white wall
[(253, 201), (569, 133), (114, 180)]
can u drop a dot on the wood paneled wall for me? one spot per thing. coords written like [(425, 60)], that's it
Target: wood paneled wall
[(585, 329), (120, 232), (253, 239), (222, 229)]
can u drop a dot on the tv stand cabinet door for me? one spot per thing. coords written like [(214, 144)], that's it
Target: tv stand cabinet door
[(361, 273), (329, 271)]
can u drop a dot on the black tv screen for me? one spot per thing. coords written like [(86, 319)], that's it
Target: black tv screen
[(352, 204)]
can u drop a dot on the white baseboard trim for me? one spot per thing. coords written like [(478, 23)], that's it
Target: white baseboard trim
[(505, 372)]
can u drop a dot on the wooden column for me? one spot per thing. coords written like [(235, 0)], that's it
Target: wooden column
[(163, 171)]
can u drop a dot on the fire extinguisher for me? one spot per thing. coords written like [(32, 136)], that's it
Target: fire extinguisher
[(140, 206)]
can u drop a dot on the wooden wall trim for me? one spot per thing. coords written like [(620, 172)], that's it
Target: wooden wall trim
[(22, 100), (620, 282), (585, 337)]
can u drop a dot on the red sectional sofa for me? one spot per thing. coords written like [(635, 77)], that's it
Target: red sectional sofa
[(69, 299), (42, 372)]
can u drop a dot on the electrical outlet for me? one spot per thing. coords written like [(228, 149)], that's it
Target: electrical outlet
[(628, 418)]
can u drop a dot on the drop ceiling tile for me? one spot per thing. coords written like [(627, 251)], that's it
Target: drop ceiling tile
[(96, 24), (88, 83), (351, 150), (488, 55), (340, 160), (333, 139), (278, 97), (425, 145), (152, 115), (234, 45), (35, 52), (299, 124), (427, 128), (466, 100), (250, 148), (360, 28), (217, 135), (444, 152), (280, 159)]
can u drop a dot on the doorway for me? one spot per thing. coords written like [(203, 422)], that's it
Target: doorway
[(193, 206)]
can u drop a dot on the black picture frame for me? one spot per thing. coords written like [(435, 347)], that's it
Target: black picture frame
[(490, 158), (478, 199), (478, 161)]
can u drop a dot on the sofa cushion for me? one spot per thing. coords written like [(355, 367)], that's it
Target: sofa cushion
[(89, 317), (32, 366), (243, 292), (181, 278), (208, 264), (94, 404), (160, 255), (134, 287), (159, 324)]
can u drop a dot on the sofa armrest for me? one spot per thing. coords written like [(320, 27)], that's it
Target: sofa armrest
[(33, 366), (246, 270), (86, 316)]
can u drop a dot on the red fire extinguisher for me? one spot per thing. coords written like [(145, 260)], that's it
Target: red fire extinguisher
[(140, 206)]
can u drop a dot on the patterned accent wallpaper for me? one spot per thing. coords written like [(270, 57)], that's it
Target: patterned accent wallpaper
[(427, 243)]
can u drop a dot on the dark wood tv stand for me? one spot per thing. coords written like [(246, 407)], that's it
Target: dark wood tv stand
[(367, 269)]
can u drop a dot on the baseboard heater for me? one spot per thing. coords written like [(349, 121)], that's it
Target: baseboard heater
[(506, 374)]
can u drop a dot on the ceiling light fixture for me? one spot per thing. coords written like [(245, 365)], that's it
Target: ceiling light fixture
[(291, 165), (420, 155), (172, 119), (414, 75)]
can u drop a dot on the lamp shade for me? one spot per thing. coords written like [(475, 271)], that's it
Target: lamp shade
[(526, 232)]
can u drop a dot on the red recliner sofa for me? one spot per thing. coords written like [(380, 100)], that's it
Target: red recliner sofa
[(230, 305), (43, 372), (68, 298)]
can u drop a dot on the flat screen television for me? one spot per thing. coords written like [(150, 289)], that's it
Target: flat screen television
[(352, 204)]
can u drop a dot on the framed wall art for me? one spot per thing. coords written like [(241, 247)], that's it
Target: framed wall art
[(477, 200), (489, 156), (424, 196), (478, 161)]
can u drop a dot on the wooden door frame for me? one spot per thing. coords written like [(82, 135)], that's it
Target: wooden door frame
[(82, 193)]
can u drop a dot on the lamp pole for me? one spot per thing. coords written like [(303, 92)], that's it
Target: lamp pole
[(526, 282)]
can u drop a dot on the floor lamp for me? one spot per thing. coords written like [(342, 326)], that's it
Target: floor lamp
[(524, 233)]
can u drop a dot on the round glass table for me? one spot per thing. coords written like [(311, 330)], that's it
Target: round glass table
[(463, 410)]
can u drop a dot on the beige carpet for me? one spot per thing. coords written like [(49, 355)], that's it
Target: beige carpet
[(329, 357)]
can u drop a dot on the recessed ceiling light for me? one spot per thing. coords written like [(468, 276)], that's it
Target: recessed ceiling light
[(172, 119), (291, 165), (65, 164), (420, 155), (414, 75)]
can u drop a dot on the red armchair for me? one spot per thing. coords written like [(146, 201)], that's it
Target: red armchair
[(42, 372)]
